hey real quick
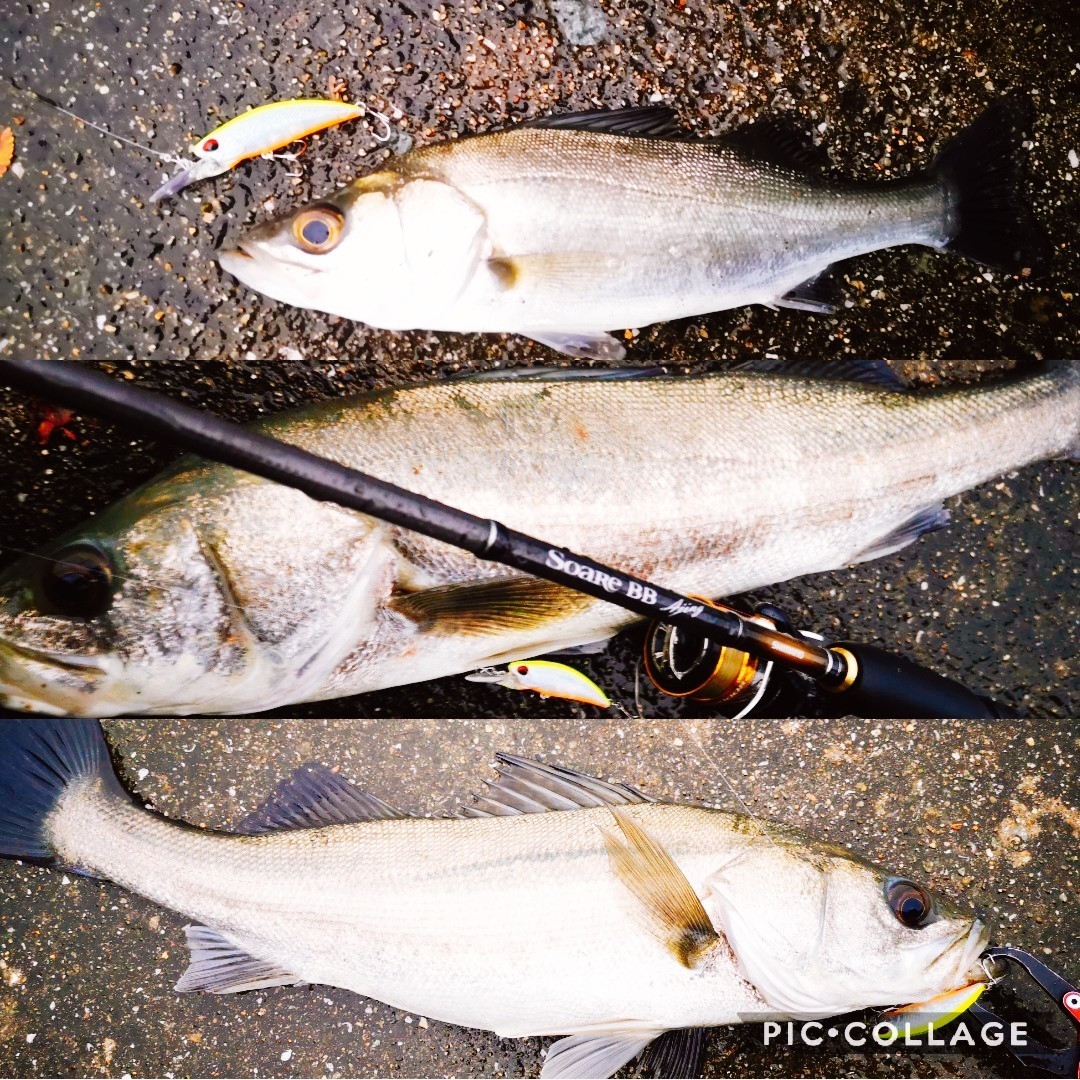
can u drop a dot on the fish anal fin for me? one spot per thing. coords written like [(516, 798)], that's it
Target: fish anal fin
[(220, 967), (677, 1054), (819, 295), (491, 607), (907, 532), (531, 787), (586, 345), (312, 798), (595, 1055), (675, 911), (644, 121)]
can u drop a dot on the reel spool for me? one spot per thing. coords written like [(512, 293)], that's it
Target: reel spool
[(687, 665)]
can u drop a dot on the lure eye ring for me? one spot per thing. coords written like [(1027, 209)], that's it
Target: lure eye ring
[(1072, 1001), (210, 146), (318, 229), (78, 581), (910, 903)]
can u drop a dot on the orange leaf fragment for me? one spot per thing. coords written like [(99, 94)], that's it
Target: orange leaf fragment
[(7, 149)]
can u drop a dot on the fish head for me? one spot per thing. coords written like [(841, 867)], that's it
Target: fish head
[(161, 605), (333, 255), (819, 932), (389, 251)]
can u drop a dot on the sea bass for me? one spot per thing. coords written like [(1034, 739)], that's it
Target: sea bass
[(564, 228), (208, 590), (558, 904)]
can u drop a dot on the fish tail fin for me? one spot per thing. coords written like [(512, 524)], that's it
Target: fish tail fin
[(981, 167), (39, 761)]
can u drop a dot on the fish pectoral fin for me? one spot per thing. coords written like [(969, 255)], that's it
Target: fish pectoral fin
[(531, 787), (642, 121), (586, 346), (677, 1054), (675, 911), (595, 1055), (492, 607), (313, 797), (907, 532), (819, 295), (220, 967)]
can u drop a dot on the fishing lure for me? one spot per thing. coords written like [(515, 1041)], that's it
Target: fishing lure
[(546, 678), (937, 1011), (7, 149), (259, 131)]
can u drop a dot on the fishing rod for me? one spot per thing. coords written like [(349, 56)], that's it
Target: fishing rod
[(696, 647)]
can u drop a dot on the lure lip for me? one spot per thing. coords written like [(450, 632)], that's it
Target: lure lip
[(192, 171)]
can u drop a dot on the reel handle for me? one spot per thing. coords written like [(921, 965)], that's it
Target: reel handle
[(887, 686)]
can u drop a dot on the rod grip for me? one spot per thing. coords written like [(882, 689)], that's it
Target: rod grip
[(888, 686)]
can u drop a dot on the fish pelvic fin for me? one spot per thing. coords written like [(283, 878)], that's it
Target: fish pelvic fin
[(39, 761), (531, 787), (220, 967), (312, 798), (981, 168), (595, 1054), (677, 916)]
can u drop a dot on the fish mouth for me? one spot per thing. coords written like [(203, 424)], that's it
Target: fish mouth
[(264, 271), (46, 683)]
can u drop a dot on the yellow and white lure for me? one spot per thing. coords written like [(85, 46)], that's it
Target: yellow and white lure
[(937, 1011), (545, 678), (259, 131)]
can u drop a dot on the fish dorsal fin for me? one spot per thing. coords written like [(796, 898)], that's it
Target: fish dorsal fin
[(844, 369), (676, 914), (599, 1053), (779, 140), (559, 374), (531, 787), (675, 1054), (643, 121), (495, 606), (314, 797), (220, 967)]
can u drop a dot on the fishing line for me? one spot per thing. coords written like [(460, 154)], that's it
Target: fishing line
[(172, 158), (734, 791)]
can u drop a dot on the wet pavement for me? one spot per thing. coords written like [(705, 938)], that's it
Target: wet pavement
[(985, 814), (90, 271)]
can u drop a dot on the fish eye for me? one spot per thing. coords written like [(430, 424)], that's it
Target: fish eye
[(210, 145), (909, 903), (79, 581), (318, 229)]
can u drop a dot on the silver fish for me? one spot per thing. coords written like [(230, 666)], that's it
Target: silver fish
[(565, 228), (559, 904), (210, 591)]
